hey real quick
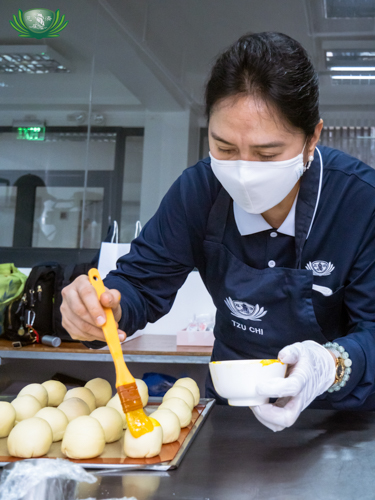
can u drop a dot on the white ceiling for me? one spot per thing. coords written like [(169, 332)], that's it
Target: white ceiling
[(156, 54)]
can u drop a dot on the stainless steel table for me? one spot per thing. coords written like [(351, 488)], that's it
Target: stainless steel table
[(326, 455)]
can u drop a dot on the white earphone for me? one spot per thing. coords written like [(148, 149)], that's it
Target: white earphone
[(310, 160)]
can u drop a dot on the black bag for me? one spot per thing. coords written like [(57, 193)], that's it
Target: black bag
[(37, 313), (70, 273)]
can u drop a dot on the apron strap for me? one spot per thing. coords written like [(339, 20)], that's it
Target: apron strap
[(218, 217)]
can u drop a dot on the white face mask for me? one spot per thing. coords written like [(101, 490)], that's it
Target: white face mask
[(257, 186)]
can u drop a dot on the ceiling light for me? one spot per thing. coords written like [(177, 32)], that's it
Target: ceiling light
[(336, 9), (352, 68), (358, 58), (353, 77), (356, 66), (359, 62), (31, 59)]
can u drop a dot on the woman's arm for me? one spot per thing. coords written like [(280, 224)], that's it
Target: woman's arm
[(359, 302), (166, 251)]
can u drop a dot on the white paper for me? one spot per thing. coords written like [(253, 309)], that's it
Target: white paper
[(192, 298), (25, 270)]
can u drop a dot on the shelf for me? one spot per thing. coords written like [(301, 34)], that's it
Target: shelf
[(144, 349)]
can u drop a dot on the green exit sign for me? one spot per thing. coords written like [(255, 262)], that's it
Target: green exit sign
[(31, 133)]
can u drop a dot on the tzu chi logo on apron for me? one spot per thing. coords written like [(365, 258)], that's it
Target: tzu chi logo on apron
[(320, 267), (244, 310)]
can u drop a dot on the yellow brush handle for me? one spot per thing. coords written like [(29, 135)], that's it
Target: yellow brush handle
[(123, 375)]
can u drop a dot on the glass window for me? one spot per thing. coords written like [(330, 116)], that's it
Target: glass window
[(131, 191), (63, 191), (59, 212), (8, 196)]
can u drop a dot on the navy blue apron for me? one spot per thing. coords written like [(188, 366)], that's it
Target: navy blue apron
[(260, 311)]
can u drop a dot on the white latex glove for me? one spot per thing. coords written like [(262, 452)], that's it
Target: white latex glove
[(311, 372)]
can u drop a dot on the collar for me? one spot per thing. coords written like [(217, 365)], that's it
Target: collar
[(255, 223)]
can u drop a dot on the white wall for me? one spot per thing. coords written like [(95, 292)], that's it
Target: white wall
[(170, 146)]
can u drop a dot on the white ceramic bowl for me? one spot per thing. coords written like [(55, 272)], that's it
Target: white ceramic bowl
[(236, 380)]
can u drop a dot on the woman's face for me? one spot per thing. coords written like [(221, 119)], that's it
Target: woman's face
[(245, 128)]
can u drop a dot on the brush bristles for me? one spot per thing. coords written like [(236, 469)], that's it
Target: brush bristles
[(129, 397)]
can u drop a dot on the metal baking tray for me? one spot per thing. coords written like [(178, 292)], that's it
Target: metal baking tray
[(113, 458)]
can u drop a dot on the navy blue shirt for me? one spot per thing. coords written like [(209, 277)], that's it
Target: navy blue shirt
[(340, 251)]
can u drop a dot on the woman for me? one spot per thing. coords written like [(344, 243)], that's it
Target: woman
[(281, 231)]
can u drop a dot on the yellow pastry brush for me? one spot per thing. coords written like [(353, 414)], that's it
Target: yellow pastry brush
[(138, 421)]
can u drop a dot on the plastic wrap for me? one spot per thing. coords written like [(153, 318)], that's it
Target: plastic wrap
[(42, 479)]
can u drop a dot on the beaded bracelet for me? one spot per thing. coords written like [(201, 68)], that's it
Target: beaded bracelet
[(343, 365)]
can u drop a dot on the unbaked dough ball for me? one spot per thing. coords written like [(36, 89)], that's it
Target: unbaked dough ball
[(101, 389), (26, 406), (84, 438), (116, 404), (111, 421), (56, 392), (30, 438), (180, 408), (143, 390), (182, 393), (74, 408), (57, 420), (82, 393), (38, 391), (169, 423), (146, 446), (7, 418), (190, 384)]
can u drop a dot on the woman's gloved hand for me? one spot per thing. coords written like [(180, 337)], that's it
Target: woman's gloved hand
[(311, 372)]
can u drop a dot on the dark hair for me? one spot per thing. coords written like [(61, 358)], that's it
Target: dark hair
[(273, 67)]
